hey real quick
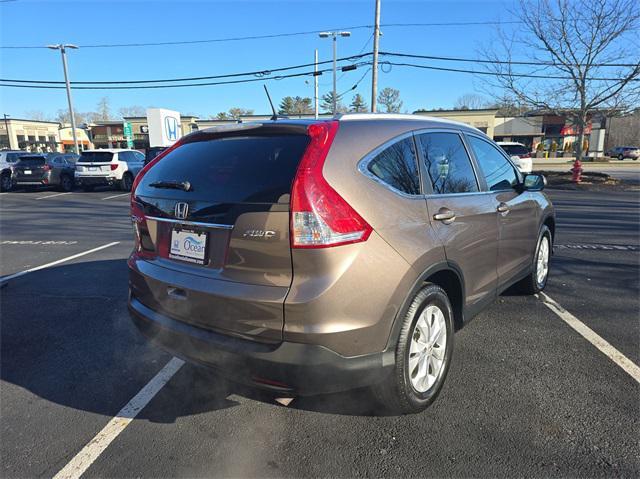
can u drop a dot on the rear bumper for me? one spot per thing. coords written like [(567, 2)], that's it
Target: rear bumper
[(304, 369), (95, 180)]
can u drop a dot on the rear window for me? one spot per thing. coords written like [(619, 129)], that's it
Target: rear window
[(515, 150), (31, 161), (251, 169), (96, 157)]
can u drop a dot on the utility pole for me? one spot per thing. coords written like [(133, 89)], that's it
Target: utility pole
[(315, 84), (335, 35), (6, 126), (63, 52), (374, 71)]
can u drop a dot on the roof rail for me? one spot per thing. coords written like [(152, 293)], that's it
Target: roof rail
[(401, 116)]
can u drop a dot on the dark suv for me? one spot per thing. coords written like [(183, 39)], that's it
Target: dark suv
[(317, 256), (53, 169)]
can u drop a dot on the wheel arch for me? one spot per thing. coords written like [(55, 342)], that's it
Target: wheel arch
[(449, 277)]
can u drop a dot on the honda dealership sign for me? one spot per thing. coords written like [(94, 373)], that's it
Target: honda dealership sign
[(164, 126)]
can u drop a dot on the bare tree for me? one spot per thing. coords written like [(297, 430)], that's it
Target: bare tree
[(237, 112), (586, 52), (133, 110), (390, 99), (104, 109), (470, 101), (37, 115)]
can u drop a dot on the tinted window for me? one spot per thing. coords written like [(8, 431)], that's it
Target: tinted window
[(96, 156), (498, 172), (124, 156), (12, 157), (257, 169), (447, 163), (137, 156), (518, 150), (397, 167)]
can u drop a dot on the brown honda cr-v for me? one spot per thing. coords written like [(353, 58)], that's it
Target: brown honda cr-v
[(317, 256)]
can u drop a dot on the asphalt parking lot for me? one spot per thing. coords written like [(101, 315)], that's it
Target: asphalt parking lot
[(526, 395)]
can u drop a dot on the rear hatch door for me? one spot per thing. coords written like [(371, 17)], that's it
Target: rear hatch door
[(217, 218), (30, 168), (94, 163)]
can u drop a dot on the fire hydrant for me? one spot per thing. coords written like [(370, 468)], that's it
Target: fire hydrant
[(577, 171)]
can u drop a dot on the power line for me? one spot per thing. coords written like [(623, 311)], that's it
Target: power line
[(500, 62), (267, 72), (519, 75), (141, 87), (274, 35), (260, 73)]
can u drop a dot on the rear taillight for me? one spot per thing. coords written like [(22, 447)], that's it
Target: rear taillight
[(113, 166), (526, 155), (320, 217), (143, 244)]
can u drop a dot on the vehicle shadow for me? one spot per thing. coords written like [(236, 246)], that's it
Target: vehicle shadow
[(66, 337)]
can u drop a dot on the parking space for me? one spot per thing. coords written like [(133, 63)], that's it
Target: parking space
[(526, 394)]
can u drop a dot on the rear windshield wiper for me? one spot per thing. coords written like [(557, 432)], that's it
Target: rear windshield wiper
[(175, 185)]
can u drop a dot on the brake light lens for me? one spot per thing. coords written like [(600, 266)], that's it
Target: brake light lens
[(113, 166), (320, 217)]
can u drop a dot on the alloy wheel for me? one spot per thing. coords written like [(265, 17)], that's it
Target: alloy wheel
[(427, 349)]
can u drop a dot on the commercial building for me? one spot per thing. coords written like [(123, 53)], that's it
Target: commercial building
[(29, 135), (110, 134)]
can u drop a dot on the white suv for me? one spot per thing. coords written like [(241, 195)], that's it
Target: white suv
[(520, 155), (108, 167), (8, 158)]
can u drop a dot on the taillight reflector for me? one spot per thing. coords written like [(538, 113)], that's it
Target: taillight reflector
[(320, 217)]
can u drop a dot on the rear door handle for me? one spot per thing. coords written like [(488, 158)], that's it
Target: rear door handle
[(503, 208), (445, 215)]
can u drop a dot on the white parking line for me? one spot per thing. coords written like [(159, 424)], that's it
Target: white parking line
[(116, 196), (89, 453), (586, 332), (52, 196), (53, 263)]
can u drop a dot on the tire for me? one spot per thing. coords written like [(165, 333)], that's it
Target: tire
[(620, 157), (5, 182), (88, 188), (126, 182), (533, 283), (66, 183), (405, 390)]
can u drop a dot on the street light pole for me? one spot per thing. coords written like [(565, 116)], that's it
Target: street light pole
[(334, 36), (374, 68), (6, 126), (63, 52)]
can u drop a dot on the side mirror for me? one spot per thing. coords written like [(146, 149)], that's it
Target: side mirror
[(534, 182)]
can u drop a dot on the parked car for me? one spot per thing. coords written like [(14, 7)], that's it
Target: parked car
[(108, 167), (8, 158), (152, 152), (43, 170), (308, 257), (622, 152), (520, 155)]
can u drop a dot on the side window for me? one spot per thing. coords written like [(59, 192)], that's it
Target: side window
[(498, 172), (12, 157), (124, 156), (138, 156), (447, 162), (397, 166)]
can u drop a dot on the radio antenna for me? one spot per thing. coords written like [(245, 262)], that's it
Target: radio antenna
[(273, 110)]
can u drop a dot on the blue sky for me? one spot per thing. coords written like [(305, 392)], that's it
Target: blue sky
[(25, 22)]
